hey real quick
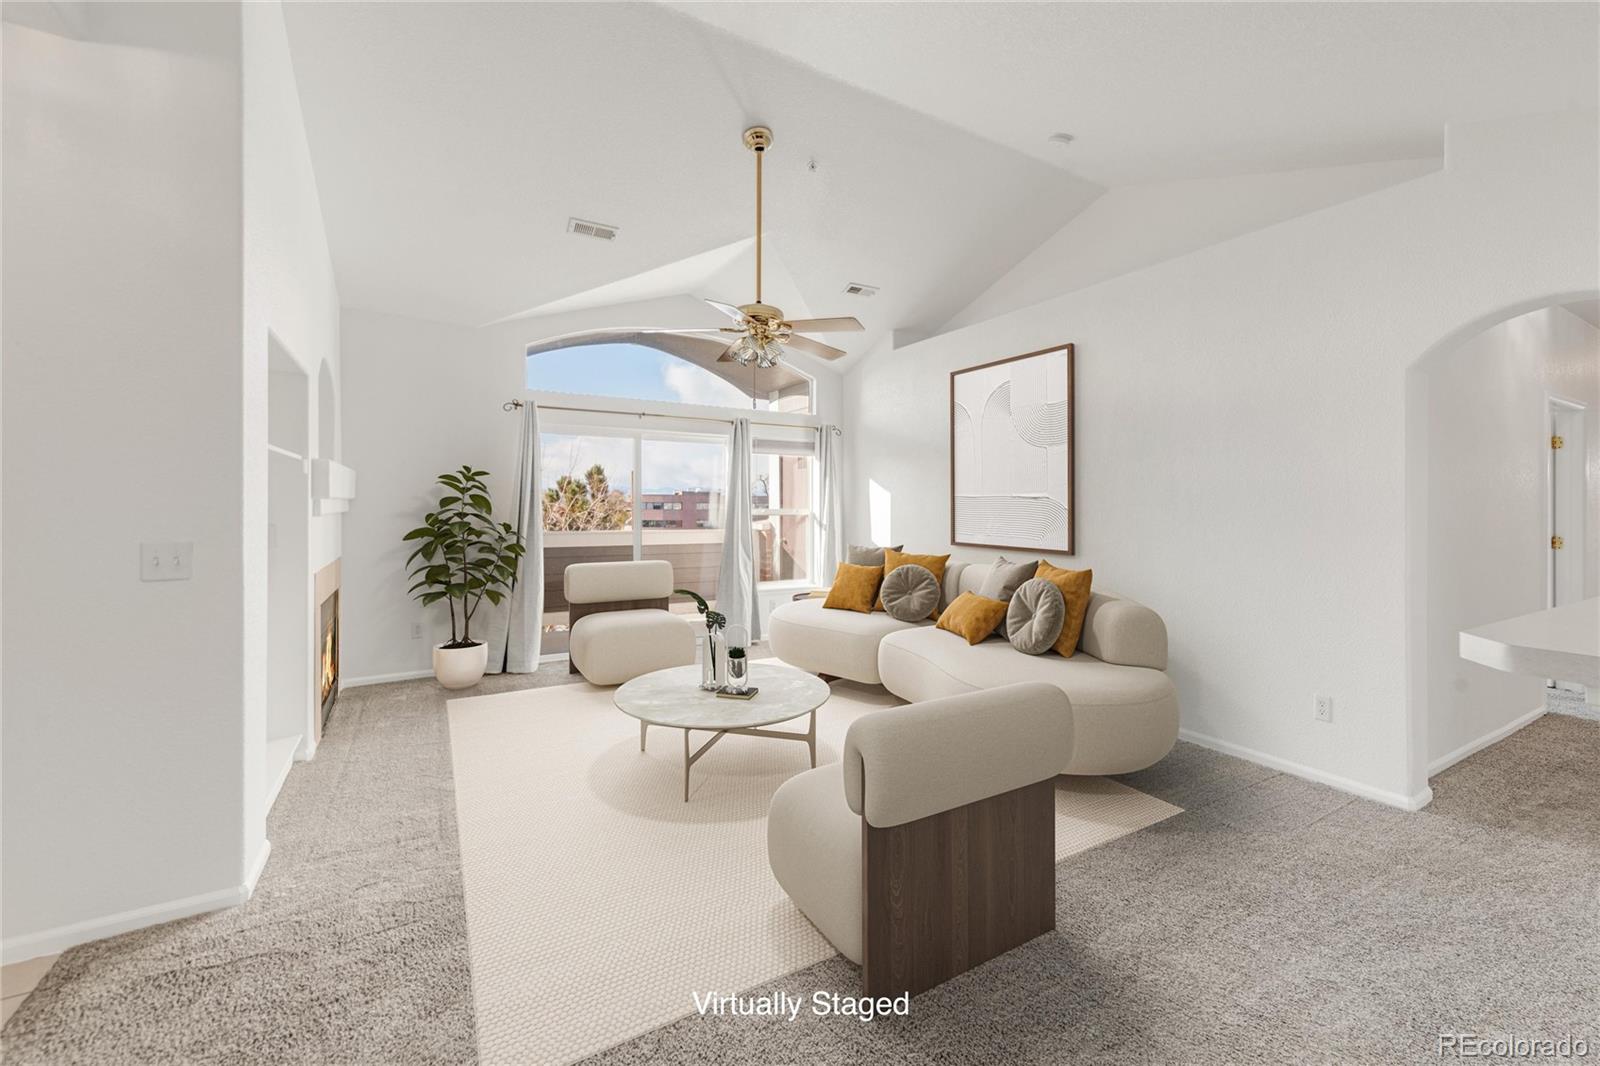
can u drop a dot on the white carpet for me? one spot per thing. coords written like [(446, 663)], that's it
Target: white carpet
[(598, 901)]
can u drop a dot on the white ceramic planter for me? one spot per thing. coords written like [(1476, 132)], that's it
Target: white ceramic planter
[(460, 667)]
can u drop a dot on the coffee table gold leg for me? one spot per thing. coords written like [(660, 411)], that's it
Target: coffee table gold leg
[(811, 739), (644, 727)]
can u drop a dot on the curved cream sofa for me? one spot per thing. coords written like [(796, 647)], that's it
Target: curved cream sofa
[(1124, 706)]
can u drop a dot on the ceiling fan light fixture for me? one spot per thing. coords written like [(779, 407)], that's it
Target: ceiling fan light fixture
[(745, 351), (770, 352)]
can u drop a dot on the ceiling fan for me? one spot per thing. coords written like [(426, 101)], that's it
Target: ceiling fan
[(762, 331)]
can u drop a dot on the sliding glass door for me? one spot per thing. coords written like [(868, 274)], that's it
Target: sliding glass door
[(620, 495), (683, 481), (587, 481)]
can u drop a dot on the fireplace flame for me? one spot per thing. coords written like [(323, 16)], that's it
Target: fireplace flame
[(330, 669)]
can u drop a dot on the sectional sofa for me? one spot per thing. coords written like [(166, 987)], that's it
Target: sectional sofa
[(1124, 706)]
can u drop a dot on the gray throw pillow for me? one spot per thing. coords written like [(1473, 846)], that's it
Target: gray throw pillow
[(910, 593), (1004, 577), (867, 554), (1035, 617)]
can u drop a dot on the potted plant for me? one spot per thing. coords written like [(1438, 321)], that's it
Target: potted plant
[(464, 558)]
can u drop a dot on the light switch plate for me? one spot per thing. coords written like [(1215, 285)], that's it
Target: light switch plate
[(166, 560)]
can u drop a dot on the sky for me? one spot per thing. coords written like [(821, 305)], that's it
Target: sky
[(633, 372)]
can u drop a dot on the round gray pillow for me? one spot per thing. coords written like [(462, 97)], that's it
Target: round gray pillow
[(910, 593), (1035, 617)]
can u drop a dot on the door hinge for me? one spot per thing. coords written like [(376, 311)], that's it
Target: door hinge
[(1557, 543), (1556, 443)]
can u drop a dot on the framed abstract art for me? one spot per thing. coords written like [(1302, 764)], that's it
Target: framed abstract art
[(1011, 426)]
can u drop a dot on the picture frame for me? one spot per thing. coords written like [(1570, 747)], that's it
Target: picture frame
[(1011, 461)]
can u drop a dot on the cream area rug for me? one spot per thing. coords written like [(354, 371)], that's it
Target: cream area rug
[(598, 902)]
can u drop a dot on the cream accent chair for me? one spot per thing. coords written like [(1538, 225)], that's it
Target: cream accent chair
[(621, 627), (863, 847)]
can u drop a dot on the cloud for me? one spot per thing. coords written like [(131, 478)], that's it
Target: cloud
[(693, 384), (669, 465)]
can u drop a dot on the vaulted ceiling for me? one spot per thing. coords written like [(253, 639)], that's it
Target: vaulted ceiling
[(452, 141), (1157, 91)]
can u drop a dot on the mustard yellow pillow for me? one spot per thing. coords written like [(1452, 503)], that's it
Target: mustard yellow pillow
[(1074, 586), (854, 588), (972, 617), (934, 563)]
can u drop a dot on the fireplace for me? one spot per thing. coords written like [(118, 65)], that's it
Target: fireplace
[(326, 666), (328, 653)]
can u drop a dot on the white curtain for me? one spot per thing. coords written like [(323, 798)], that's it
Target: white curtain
[(831, 513), (516, 625), (736, 581)]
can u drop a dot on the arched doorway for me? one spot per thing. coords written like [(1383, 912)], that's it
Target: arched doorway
[(1477, 508)]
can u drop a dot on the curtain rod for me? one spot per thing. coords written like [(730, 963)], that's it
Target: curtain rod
[(517, 405)]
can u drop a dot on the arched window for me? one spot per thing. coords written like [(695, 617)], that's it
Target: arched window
[(663, 367)]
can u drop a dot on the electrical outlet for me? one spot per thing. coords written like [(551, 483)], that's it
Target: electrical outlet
[(1322, 708), (166, 560), (416, 630)]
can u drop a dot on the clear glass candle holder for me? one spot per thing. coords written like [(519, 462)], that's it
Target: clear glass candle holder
[(738, 670)]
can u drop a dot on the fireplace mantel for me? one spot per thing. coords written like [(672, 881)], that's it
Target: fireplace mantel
[(333, 486)]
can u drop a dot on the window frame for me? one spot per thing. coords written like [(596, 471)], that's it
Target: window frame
[(772, 433), (782, 444)]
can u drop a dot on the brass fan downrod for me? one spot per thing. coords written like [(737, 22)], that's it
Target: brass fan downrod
[(758, 139)]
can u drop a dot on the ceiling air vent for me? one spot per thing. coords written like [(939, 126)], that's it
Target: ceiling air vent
[(857, 289), (597, 230)]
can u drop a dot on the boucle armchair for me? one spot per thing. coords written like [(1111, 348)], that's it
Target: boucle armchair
[(865, 847), (621, 627)]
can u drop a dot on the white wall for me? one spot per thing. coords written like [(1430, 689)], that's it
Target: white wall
[(1241, 434), (1136, 226), (291, 305), (1488, 508), (123, 721), (423, 398)]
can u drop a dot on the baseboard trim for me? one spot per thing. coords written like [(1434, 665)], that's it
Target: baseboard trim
[(413, 675), (1310, 773), (1444, 762), (254, 875), (59, 939), (384, 679)]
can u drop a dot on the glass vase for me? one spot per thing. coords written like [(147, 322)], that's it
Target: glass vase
[(735, 638), (738, 671), (708, 662)]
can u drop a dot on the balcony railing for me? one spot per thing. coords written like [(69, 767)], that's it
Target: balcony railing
[(695, 555)]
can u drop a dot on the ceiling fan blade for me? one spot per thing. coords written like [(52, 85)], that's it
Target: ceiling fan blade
[(816, 348), (719, 329), (826, 325), (729, 310)]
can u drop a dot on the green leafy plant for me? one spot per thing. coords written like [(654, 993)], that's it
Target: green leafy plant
[(465, 556), (714, 620)]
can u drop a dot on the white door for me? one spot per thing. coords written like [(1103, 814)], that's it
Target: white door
[(1567, 494)]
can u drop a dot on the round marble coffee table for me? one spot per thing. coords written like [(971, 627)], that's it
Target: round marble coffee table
[(674, 698)]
